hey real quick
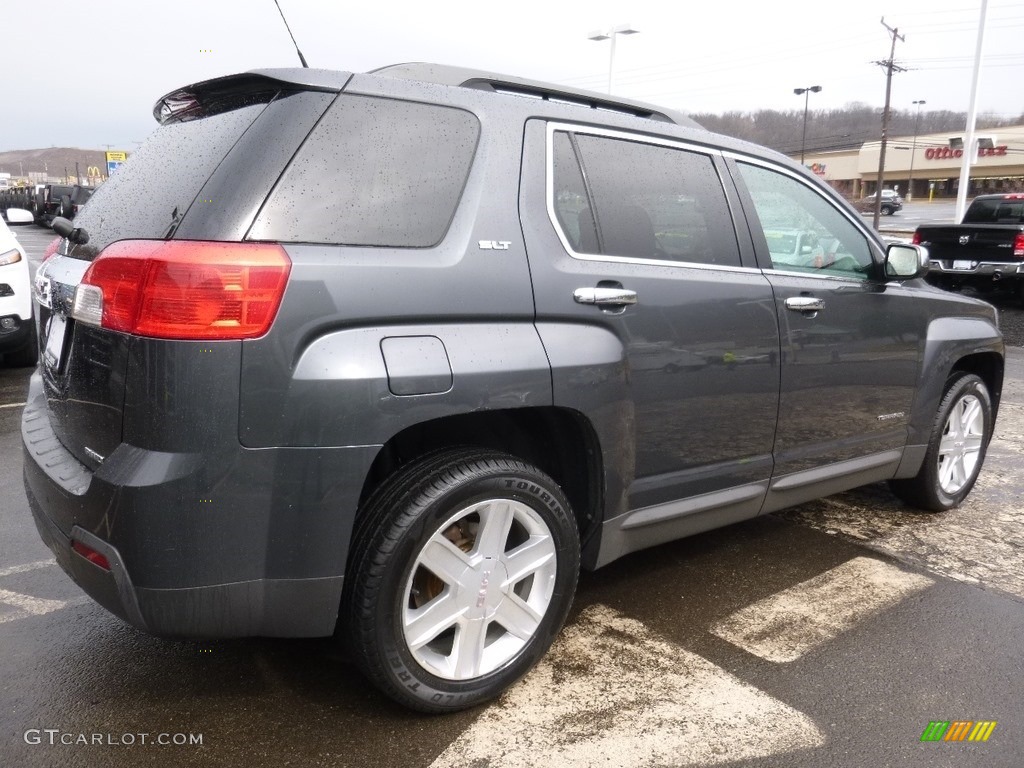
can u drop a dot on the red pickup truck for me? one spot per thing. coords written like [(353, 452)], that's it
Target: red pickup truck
[(985, 250)]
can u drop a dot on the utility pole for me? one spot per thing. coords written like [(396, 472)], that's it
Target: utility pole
[(890, 66)]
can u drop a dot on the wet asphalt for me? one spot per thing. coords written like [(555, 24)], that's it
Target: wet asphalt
[(950, 651)]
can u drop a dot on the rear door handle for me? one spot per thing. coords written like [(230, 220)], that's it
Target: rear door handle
[(604, 297), (805, 304)]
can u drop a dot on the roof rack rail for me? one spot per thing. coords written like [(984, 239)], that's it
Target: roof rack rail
[(442, 74)]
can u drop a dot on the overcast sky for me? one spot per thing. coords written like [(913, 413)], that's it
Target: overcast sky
[(85, 73)]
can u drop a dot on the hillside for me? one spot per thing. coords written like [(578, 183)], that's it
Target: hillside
[(838, 128), (52, 161)]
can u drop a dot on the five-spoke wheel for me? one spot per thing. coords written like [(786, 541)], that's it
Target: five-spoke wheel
[(463, 569), (956, 449)]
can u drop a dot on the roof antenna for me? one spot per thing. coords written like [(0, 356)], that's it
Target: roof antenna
[(301, 57)]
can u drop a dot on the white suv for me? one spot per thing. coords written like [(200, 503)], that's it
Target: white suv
[(17, 331)]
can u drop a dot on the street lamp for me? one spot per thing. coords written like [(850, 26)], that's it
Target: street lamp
[(806, 93), (622, 29), (913, 147)]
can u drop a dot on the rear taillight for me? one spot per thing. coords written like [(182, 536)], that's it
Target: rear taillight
[(184, 289), (1018, 246), (51, 248), (91, 555), (916, 239)]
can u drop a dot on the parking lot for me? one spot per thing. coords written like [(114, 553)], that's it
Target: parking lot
[(831, 634)]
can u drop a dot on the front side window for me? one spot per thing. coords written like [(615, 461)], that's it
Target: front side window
[(617, 197), (803, 230)]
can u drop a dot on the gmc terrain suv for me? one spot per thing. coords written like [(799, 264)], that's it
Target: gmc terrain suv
[(396, 354)]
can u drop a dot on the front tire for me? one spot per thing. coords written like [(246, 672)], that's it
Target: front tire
[(462, 572), (956, 449)]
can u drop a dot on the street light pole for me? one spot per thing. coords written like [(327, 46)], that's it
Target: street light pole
[(806, 93), (913, 148), (621, 29)]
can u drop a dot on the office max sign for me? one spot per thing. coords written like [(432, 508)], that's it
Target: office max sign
[(948, 153)]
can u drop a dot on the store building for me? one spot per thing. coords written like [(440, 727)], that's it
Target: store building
[(927, 166)]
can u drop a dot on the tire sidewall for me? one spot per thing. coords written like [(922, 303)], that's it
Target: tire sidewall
[(958, 388), (405, 675)]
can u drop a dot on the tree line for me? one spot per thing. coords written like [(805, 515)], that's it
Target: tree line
[(831, 129)]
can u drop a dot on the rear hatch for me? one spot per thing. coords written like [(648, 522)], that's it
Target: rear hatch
[(201, 176)]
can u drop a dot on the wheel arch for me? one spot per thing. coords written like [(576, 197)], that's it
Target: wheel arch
[(955, 345), (560, 441), (989, 367)]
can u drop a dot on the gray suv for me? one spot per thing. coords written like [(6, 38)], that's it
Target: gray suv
[(394, 355)]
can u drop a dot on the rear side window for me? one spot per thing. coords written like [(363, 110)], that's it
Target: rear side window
[(375, 172), (641, 201)]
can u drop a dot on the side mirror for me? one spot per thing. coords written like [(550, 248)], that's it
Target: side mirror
[(19, 216), (905, 262)]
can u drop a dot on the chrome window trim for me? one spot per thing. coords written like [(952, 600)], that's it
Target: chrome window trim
[(549, 195), (832, 278)]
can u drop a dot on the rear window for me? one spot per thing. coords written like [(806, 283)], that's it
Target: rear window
[(376, 172), (164, 175), (996, 211)]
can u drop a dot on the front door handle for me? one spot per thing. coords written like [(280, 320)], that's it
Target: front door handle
[(805, 304), (604, 297)]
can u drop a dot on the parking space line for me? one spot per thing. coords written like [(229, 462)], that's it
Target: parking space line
[(610, 692), (13, 405), (13, 569), (36, 606), (786, 625)]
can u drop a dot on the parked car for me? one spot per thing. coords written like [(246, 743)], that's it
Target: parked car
[(79, 196), (411, 410), (891, 202), (55, 201), (17, 329)]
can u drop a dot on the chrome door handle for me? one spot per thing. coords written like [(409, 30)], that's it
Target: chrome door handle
[(805, 304), (604, 297)]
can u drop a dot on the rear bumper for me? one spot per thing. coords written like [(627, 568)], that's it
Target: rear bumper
[(266, 557), (979, 270)]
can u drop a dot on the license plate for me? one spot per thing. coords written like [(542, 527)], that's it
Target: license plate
[(55, 340), (961, 264)]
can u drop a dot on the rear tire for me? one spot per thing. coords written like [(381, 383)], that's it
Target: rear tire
[(462, 572), (956, 449)]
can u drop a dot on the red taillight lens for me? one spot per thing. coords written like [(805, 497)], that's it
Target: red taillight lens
[(185, 289), (51, 248), (91, 555), (916, 239), (1018, 246)]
